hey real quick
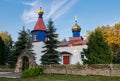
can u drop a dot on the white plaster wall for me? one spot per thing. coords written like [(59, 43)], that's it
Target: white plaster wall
[(37, 47), (75, 51)]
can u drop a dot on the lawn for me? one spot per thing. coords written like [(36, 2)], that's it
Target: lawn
[(63, 78)]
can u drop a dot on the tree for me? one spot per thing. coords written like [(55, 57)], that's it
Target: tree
[(7, 46), (98, 51), (51, 56), (7, 53), (111, 34), (5, 37), (64, 40), (112, 37), (24, 42), (2, 51)]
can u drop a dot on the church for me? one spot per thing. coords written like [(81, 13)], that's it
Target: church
[(71, 51)]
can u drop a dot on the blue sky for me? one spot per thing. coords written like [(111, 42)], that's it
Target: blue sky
[(14, 14)]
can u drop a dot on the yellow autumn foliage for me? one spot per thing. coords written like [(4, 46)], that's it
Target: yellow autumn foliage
[(111, 34), (5, 36)]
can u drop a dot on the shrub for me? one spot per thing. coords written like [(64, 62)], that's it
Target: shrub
[(32, 72)]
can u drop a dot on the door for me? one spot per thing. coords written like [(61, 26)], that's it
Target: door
[(66, 59)]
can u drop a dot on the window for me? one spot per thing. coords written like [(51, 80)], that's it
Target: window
[(82, 55), (35, 37)]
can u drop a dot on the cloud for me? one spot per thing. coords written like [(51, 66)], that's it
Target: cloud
[(65, 9), (30, 3), (53, 8), (30, 15), (56, 5)]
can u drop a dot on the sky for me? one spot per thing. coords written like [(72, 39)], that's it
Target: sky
[(14, 14)]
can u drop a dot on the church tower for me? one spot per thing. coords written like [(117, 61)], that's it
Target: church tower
[(38, 36), (39, 31)]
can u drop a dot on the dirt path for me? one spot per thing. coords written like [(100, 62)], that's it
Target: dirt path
[(10, 74)]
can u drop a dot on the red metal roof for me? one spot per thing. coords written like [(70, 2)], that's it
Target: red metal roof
[(73, 41), (40, 25)]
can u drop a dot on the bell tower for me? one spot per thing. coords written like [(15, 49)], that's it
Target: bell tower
[(39, 31), (39, 36)]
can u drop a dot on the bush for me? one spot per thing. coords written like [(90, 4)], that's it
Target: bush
[(32, 72)]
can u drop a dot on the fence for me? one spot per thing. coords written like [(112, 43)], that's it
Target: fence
[(93, 69)]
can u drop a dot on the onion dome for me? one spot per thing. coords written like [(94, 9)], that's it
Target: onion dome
[(40, 11), (76, 27)]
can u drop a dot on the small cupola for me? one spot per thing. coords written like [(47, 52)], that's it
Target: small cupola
[(76, 29)]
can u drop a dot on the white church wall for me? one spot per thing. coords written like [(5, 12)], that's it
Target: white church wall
[(37, 47)]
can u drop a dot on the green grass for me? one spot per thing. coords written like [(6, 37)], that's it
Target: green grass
[(54, 77)]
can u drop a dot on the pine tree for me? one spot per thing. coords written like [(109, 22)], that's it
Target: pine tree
[(64, 40), (51, 56), (8, 51), (2, 51), (24, 42), (98, 51)]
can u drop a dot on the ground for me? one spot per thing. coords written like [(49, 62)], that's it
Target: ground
[(10, 74), (55, 77)]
